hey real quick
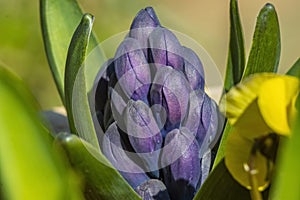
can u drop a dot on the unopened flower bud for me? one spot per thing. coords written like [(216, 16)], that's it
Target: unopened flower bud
[(143, 24), (132, 70), (115, 153), (144, 134), (170, 89), (193, 69), (165, 49), (183, 174)]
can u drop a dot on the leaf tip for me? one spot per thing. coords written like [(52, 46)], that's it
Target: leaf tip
[(269, 6), (88, 17)]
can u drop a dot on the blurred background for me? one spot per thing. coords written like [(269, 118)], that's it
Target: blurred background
[(21, 45)]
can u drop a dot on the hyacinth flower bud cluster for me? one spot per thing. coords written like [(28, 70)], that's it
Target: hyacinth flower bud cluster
[(159, 123)]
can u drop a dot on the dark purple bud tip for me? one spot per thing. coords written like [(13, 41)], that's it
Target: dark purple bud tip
[(193, 69), (143, 134), (171, 90), (112, 149), (182, 174), (165, 49), (145, 18), (132, 69), (142, 25), (153, 189)]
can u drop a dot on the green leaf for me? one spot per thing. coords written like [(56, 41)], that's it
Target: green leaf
[(220, 185), (76, 95), (265, 51), (27, 158), (236, 52), (59, 19), (287, 183), (264, 57), (235, 66), (101, 179), (295, 69)]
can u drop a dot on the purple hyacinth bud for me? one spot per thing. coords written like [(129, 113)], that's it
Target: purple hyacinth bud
[(132, 70), (142, 25), (182, 175), (112, 149), (144, 134), (165, 49), (159, 121), (202, 119), (193, 69), (170, 89), (153, 189)]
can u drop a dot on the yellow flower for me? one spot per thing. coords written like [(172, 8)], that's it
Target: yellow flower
[(260, 109)]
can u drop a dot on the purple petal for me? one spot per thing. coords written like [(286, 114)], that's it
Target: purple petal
[(144, 134), (112, 149), (171, 90), (153, 189), (193, 69), (165, 49), (202, 119), (182, 174), (132, 70)]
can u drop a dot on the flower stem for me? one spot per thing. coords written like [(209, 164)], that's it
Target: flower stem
[(252, 171), (255, 193)]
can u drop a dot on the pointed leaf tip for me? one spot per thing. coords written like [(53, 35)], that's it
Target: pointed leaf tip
[(266, 46)]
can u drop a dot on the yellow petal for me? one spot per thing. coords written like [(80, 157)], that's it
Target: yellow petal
[(236, 101), (274, 99), (237, 154), (251, 124)]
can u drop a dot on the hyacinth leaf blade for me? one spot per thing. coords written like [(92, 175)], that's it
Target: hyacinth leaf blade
[(23, 168), (264, 56), (75, 60), (236, 52), (266, 46), (295, 69), (76, 95), (102, 181), (59, 19), (235, 66)]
